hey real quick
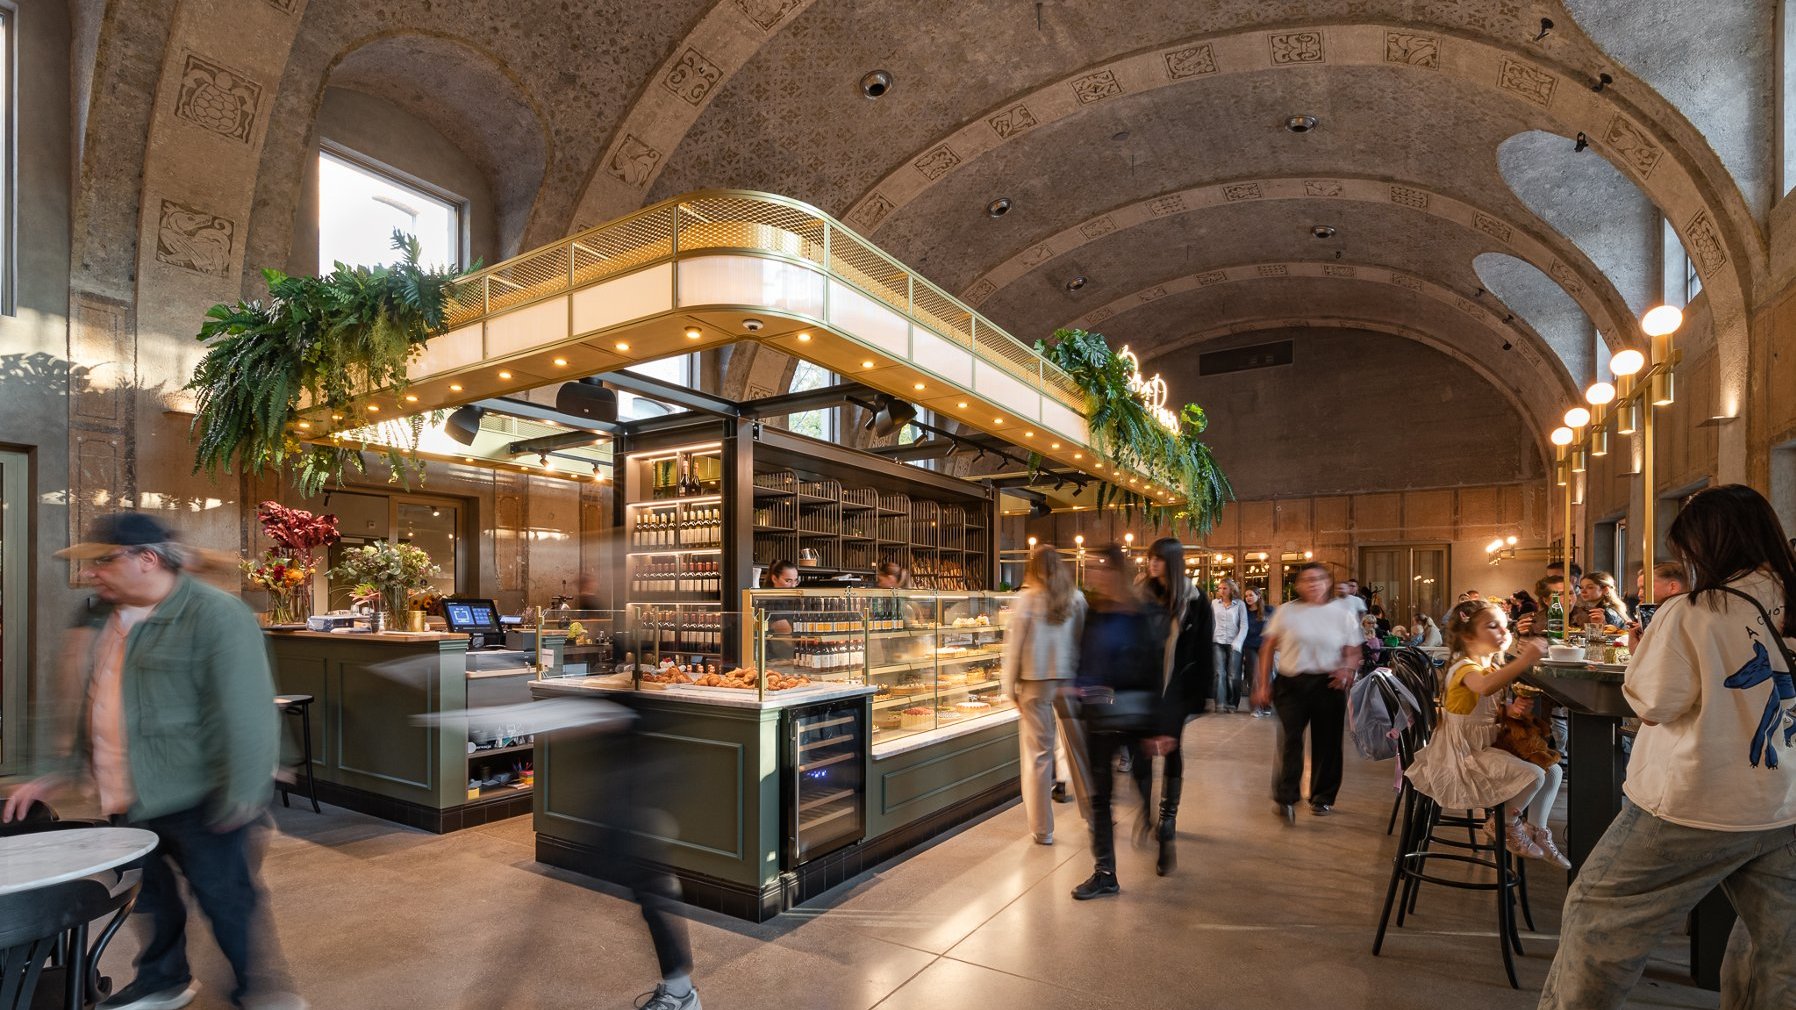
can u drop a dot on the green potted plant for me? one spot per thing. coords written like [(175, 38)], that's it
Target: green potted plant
[(386, 575)]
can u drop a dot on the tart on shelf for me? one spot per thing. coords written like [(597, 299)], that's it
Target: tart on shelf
[(917, 718)]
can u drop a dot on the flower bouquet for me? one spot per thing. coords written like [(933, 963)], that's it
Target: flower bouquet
[(286, 569), (386, 575)]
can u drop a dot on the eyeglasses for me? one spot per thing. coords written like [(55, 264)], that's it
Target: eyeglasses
[(107, 559)]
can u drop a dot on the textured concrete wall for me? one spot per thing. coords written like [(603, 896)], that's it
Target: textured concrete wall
[(1355, 411)]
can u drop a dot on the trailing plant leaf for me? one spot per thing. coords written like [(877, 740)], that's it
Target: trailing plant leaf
[(334, 339), (1124, 430)]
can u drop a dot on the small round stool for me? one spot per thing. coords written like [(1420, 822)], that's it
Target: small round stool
[(300, 704)]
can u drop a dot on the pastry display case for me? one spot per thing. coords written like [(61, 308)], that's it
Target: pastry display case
[(932, 658)]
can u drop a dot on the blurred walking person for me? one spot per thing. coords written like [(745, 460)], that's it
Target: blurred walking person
[(1228, 632), (1259, 611), (1041, 652), (1317, 646), (1186, 674), (180, 735)]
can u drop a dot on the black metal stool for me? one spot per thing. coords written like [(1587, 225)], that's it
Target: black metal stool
[(289, 704)]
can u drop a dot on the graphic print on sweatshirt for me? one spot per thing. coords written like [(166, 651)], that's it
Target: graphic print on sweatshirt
[(1757, 671)]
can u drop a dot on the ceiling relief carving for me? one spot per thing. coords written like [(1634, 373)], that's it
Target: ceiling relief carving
[(1550, 254)]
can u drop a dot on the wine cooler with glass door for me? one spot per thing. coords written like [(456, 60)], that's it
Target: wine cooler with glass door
[(826, 787)]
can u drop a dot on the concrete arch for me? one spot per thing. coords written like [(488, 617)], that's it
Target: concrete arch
[(669, 102), (1560, 321), (1527, 400), (1532, 347), (1549, 252)]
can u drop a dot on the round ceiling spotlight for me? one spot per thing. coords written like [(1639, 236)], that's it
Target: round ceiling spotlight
[(1300, 124), (1323, 231), (876, 83), (1075, 282), (998, 207)]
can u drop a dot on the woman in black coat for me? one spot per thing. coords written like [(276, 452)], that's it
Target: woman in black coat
[(1188, 679)]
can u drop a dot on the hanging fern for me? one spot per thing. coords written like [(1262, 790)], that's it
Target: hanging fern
[(335, 339), (1124, 430)]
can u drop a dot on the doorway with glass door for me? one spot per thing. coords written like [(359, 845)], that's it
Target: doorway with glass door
[(1405, 579)]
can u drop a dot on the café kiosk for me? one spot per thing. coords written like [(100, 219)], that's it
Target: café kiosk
[(390, 734)]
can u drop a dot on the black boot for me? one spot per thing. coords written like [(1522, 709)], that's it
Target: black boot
[(1167, 829)]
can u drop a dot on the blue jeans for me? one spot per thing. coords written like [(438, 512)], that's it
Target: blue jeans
[(1643, 878), (1228, 677), (218, 871)]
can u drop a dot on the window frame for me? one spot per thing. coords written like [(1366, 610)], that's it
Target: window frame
[(398, 177), (832, 424), (16, 520), (9, 158)]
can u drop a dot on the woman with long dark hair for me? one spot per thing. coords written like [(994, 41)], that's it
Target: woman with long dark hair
[(1121, 697), (1259, 611), (1708, 801), (1186, 675)]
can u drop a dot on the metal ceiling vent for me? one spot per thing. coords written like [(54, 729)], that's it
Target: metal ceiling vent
[(876, 83), (998, 207), (1300, 123)]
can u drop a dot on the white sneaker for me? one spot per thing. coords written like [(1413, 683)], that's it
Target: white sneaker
[(661, 999), (139, 997), (1543, 840)]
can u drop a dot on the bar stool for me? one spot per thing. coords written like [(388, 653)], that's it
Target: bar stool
[(301, 705)]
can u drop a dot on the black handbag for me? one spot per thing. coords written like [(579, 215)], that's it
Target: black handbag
[(1108, 710)]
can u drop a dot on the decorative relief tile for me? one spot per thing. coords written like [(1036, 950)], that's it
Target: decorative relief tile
[(1532, 84), (1213, 277), (1242, 191), (1412, 50), (1161, 206), (1012, 121), (1273, 270), (1491, 226), (192, 239), (980, 291), (1409, 197), (284, 6), (1192, 61), (872, 211), (1099, 228), (692, 77), (1321, 187), (1037, 256), (1632, 144), (1464, 306), (1338, 270), (1566, 278), (1406, 281), (1154, 293), (1097, 87), (1099, 315), (767, 13), (633, 163), (1704, 243), (937, 162), (218, 98), (1295, 47)]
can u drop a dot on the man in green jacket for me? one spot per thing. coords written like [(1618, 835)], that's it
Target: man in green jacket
[(180, 735)]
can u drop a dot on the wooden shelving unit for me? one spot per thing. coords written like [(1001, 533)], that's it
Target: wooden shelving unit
[(854, 529)]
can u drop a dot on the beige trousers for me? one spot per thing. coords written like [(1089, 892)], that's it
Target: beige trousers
[(1043, 720)]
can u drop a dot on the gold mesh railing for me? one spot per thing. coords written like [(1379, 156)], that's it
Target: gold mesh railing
[(764, 224)]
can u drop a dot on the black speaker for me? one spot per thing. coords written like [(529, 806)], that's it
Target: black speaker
[(587, 400), (463, 424), (892, 414)]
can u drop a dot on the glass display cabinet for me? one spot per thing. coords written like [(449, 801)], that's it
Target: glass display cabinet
[(932, 658)]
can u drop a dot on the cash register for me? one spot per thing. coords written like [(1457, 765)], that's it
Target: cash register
[(478, 619)]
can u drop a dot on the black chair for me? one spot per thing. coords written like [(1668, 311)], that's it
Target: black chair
[(44, 941), (1422, 819), (301, 705)]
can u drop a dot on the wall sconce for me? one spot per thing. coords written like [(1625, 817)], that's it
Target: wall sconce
[(1599, 440), (1664, 391), (1577, 459), (1627, 420)]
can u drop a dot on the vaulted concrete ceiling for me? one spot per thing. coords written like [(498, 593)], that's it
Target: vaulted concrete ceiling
[(1142, 147)]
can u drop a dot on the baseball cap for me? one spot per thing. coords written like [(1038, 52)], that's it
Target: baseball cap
[(120, 529)]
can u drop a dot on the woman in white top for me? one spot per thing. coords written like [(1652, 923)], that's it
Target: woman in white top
[(1711, 789), (1427, 633), (1230, 631), (1041, 654)]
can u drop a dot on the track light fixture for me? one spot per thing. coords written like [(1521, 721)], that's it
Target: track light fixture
[(463, 424), (1583, 142), (1602, 81), (1546, 28), (889, 415)]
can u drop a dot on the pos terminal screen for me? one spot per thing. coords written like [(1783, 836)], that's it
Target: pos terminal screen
[(471, 616)]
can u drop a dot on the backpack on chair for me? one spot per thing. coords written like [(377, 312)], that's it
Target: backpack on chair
[(1378, 711)]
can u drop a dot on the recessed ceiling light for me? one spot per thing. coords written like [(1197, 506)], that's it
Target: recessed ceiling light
[(1056, 445), (467, 459), (560, 362), (622, 346), (998, 420), (1323, 231), (1300, 123), (1078, 455), (455, 387), (875, 83), (693, 333), (305, 424), (917, 386), (866, 364), (1075, 282), (336, 417), (962, 404), (503, 374), (804, 337), (1028, 434), (374, 408), (999, 207)]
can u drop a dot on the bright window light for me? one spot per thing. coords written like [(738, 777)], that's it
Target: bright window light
[(359, 206), (820, 424), (677, 370)]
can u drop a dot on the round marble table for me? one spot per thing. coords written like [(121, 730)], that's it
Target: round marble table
[(51, 857)]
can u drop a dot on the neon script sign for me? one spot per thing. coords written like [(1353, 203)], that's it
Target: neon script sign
[(1152, 392)]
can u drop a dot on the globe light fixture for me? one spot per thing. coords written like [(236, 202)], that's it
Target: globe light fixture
[(1662, 320), (1561, 436), (1627, 362), (1600, 393), (1577, 417)]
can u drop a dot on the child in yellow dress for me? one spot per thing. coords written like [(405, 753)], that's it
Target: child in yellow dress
[(1461, 768)]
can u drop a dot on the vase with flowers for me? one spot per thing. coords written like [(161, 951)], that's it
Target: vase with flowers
[(285, 570), (386, 575)]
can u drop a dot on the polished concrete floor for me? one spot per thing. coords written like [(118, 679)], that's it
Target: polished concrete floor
[(1258, 915)]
